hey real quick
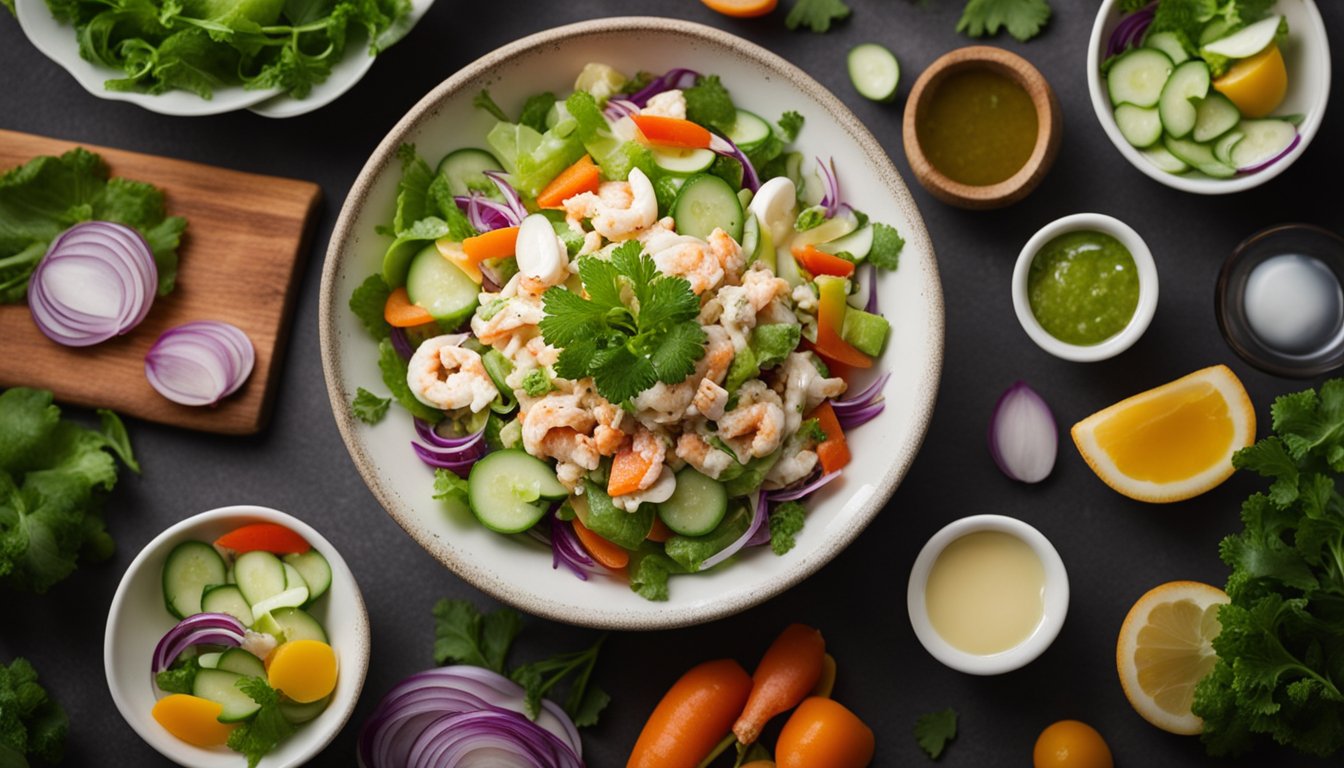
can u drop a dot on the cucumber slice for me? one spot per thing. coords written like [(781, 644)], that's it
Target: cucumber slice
[(209, 660), (1264, 141), (508, 490), (857, 244), (677, 161), (1247, 41), (1137, 77), (1222, 150), (190, 568), (696, 506), (222, 688), (290, 624), (260, 575), (748, 130), (1188, 82), (290, 598), (314, 569), (1141, 126), (293, 578), (298, 714), (441, 288), (226, 598), (1215, 115), (1190, 152), (1217, 170), (787, 268), (705, 203), (1170, 44), (751, 237), (1159, 155), (241, 662), (874, 71), (465, 170), (865, 331)]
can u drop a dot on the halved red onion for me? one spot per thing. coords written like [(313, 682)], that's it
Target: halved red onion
[(831, 199), (723, 146), (427, 433), (96, 281), (1023, 438), (200, 363), (672, 79), (510, 195), (757, 520), (618, 108), (200, 629), (1129, 32), (486, 214), (566, 550)]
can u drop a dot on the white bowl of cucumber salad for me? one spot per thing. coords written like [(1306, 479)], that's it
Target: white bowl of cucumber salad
[(1209, 105), (242, 606)]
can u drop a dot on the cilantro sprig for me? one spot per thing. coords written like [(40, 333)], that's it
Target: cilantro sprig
[(259, 736), (934, 730), (636, 327)]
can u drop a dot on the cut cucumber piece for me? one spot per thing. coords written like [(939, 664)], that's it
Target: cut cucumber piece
[(314, 569), (509, 490), (1222, 150), (857, 244), (751, 237), (696, 506), (1264, 141), (1217, 170), (222, 688), (679, 161), (441, 288), (290, 598), (705, 203), (865, 331), (290, 624), (190, 568), (1159, 155), (1137, 77), (1188, 82), (209, 660), (465, 170), (787, 268), (1190, 152), (764, 251), (241, 662), (748, 130), (293, 578), (227, 598), (298, 714), (1141, 126), (1215, 115), (1247, 41), (260, 575), (1170, 44), (874, 71)]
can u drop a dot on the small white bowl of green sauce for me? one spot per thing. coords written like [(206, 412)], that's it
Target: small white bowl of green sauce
[(1085, 287)]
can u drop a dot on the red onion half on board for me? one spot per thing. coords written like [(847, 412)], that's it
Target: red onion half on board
[(200, 363), (96, 281)]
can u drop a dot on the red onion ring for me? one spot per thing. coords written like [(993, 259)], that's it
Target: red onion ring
[(723, 146), (510, 194), (830, 200), (200, 363), (672, 79), (200, 629), (96, 281), (757, 520)]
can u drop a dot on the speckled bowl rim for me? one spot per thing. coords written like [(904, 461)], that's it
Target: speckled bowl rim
[(669, 615)]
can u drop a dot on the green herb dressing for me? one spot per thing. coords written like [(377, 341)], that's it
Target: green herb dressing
[(979, 127), (1083, 287)]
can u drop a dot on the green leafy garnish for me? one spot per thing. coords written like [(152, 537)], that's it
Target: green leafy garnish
[(811, 431), (810, 218), (625, 529), (708, 103), (30, 722), (934, 730), (790, 123), (47, 195), (582, 702), (537, 383), (816, 15), (463, 635), (484, 101), (259, 736), (535, 109), (650, 569), (368, 407), (885, 252), (624, 344), (367, 302), (179, 677), (448, 485), (1022, 18), (786, 521)]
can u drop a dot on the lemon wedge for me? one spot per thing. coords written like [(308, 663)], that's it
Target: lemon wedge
[(1256, 85), (1172, 442), (1165, 648)]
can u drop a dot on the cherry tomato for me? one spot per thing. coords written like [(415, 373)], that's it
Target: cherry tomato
[(822, 732), (1071, 744)]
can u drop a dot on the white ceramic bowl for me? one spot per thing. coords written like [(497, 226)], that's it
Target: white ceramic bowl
[(518, 570), (1052, 620), (1307, 56), (1143, 313), (138, 619)]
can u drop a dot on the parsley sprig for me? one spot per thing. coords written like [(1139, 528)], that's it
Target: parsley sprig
[(637, 326)]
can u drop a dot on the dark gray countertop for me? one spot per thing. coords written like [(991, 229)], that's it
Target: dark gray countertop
[(1115, 549)]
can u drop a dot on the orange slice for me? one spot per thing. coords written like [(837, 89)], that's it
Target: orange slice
[(1165, 648), (742, 9), (1256, 85), (1173, 442)]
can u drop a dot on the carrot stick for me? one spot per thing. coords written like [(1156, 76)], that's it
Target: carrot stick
[(833, 452), (582, 176), (267, 537), (787, 673), (692, 717), (399, 312), (604, 552), (495, 244), (627, 469), (819, 262), (671, 131)]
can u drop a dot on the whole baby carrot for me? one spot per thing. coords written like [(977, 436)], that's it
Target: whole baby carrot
[(692, 717), (786, 675)]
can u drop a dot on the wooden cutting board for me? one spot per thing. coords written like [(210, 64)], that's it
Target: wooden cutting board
[(240, 261)]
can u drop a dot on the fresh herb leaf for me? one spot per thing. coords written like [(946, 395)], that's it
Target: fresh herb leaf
[(885, 252), (587, 114), (116, 439), (367, 302), (786, 521), (581, 702), (393, 367), (463, 635), (368, 407), (810, 218), (537, 383), (649, 572), (178, 678), (440, 193), (772, 342), (31, 723), (1022, 18), (484, 101), (816, 15), (934, 730), (790, 123), (535, 109), (259, 736), (448, 485), (811, 431), (709, 104)]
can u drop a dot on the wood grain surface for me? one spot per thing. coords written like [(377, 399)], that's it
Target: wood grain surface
[(240, 261)]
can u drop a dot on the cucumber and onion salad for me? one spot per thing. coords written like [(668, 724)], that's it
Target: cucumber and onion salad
[(1174, 100), (577, 264), (243, 604)]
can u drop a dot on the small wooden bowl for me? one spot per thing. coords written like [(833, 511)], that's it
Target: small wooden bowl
[(1049, 119)]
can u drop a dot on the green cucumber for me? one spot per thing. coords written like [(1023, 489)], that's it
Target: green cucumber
[(679, 161), (1141, 126), (241, 662), (1159, 156), (874, 71), (293, 597), (696, 506), (705, 203), (1188, 83), (260, 575), (1170, 44), (1137, 77), (226, 598), (190, 568), (1215, 115), (314, 569), (290, 624), (857, 244), (298, 714), (509, 490), (865, 331), (1222, 149), (465, 170), (222, 688), (209, 660), (445, 291), (748, 130)]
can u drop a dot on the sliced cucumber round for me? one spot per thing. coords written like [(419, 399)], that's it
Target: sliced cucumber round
[(705, 203), (751, 237), (509, 490), (1141, 126), (441, 288), (857, 244), (260, 575), (298, 714), (465, 170), (1163, 159), (1222, 149), (696, 506), (190, 568), (874, 71), (1215, 115), (226, 598), (1190, 152), (1137, 77), (241, 662), (222, 688), (678, 161), (748, 130), (314, 569), (292, 624), (1188, 82), (1264, 141), (1170, 44)]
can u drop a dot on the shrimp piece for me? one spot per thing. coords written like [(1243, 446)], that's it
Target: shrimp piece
[(728, 253), (571, 476), (668, 403), (710, 400), (762, 287), (443, 375), (666, 104), (502, 315), (692, 261), (620, 209), (707, 460), (567, 444), (791, 468), (654, 451), (805, 388), (756, 426), (556, 426), (608, 433)]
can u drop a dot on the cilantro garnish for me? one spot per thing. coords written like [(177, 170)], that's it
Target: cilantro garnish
[(816, 15), (708, 103), (537, 383), (1022, 18), (885, 252), (259, 736), (934, 730), (368, 407), (637, 327), (484, 101), (449, 485), (785, 522)]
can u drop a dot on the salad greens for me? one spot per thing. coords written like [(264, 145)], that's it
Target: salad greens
[(31, 723), (1188, 20), (1280, 668), (1023, 19), (370, 408), (259, 736), (816, 15), (47, 195), (53, 476), (934, 730), (786, 521)]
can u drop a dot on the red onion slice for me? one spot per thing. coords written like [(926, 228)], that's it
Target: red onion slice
[(757, 520), (750, 179), (1023, 438), (515, 203), (670, 80), (96, 281), (200, 363), (831, 200), (1262, 166), (200, 629)]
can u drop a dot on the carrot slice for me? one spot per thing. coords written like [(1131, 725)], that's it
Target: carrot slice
[(742, 9), (831, 309), (267, 537), (399, 312), (604, 552), (660, 532), (833, 452), (495, 244), (627, 469), (819, 262), (672, 132), (582, 176)]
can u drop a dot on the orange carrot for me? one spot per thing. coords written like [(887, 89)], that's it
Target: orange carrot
[(399, 312), (831, 309), (495, 244), (267, 537), (742, 9), (787, 673), (671, 131), (627, 469), (833, 452), (604, 552), (692, 717), (819, 262), (823, 732), (660, 532), (582, 176)]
